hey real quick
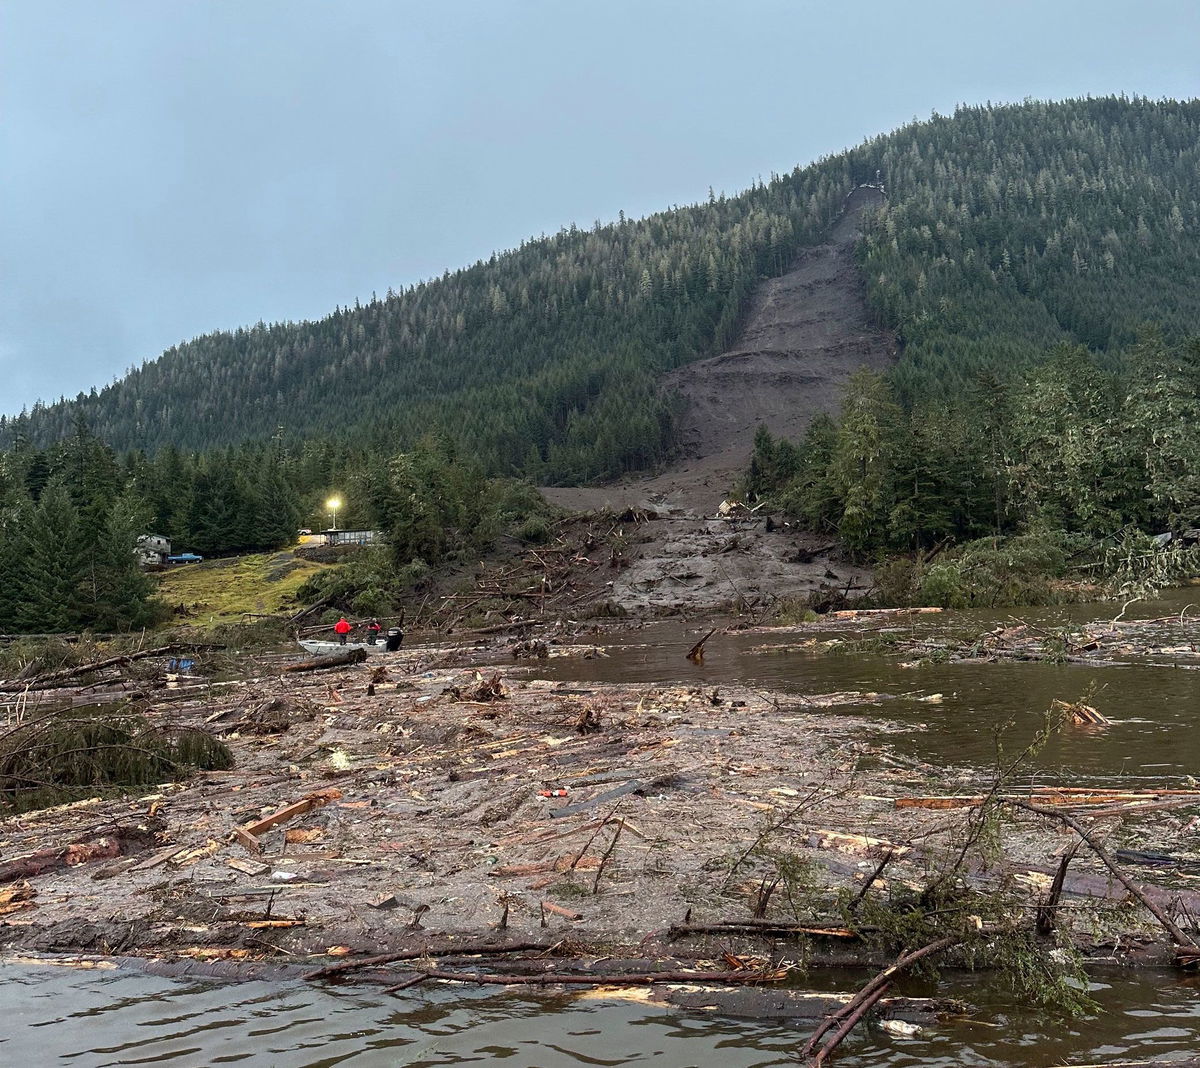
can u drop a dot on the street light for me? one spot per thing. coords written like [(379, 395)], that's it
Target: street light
[(332, 505)]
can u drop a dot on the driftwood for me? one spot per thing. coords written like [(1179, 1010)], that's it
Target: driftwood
[(607, 853), (766, 928), (1059, 797), (871, 880), (858, 1006), (1045, 913), (1080, 714), (44, 681), (747, 976), (16, 898), (1187, 953), (111, 841), (321, 663), (335, 971), (248, 833), (696, 653)]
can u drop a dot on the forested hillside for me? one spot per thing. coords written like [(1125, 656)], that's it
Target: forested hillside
[(1018, 256), (70, 516), (1006, 229), (1009, 229), (544, 360)]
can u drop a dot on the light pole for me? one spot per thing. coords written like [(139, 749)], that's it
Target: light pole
[(332, 505)]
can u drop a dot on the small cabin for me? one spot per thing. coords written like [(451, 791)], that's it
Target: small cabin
[(152, 550), (347, 537)]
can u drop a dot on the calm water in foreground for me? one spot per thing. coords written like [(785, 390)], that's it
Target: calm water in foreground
[(93, 1018)]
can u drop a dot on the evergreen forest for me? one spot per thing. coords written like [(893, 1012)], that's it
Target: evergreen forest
[(71, 514), (1037, 262), (1007, 229)]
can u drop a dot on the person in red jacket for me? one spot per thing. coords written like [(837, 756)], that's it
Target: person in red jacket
[(342, 628)]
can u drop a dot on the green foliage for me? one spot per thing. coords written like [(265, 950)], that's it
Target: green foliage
[(994, 572), (1076, 451), (1136, 566), (65, 755)]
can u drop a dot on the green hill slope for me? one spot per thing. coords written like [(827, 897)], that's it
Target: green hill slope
[(1006, 229)]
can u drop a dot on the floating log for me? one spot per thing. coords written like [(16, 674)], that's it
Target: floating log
[(747, 976), (450, 949), (1063, 797), (849, 1015), (696, 653), (863, 613), (1080, 714)]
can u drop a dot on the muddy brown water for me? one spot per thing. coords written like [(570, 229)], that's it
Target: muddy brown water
[(90, 1018), (1154, 706)]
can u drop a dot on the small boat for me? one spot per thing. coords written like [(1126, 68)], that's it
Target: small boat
[(326, 648)]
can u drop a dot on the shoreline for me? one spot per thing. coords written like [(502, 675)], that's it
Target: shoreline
[(413, 812)]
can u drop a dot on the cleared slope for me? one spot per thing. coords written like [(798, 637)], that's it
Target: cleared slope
[(807, 332)]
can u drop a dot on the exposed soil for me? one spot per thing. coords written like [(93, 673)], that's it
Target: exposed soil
[(643, 563), (807, 332)]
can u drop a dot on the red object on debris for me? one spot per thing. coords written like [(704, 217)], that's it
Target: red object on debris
[(552, 793)]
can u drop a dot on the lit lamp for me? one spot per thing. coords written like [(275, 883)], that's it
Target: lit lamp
[(332, 505)]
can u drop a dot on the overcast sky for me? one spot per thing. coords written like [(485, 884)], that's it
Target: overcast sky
[(172, 167)]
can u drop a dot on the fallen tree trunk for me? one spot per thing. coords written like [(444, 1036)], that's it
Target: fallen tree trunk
[(334, 971), (740, 976), (309, 610), (858, 1006), (321, 663), (44, 681), (114, 842)]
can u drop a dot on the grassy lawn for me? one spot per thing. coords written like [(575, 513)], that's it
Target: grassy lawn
[(221, 591)]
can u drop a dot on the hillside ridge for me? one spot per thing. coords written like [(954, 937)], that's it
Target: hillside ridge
[(807, 331)]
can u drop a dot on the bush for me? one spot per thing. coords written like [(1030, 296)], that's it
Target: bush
[(996, 572), (534, 531)]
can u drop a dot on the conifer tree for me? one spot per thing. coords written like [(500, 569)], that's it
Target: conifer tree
[(51, 567)]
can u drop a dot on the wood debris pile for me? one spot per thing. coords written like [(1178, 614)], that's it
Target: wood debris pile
[(412, 813)]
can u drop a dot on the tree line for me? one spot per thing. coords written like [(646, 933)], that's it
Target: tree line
[(71, 515), (1079, 443)]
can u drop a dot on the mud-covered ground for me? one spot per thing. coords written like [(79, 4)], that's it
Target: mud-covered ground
[(805, 334), (465, 797)]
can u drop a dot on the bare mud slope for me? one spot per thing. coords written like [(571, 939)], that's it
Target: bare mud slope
[(807, 332), (805, 335)]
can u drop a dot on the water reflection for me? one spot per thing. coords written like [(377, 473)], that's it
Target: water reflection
[(95, 1020)]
